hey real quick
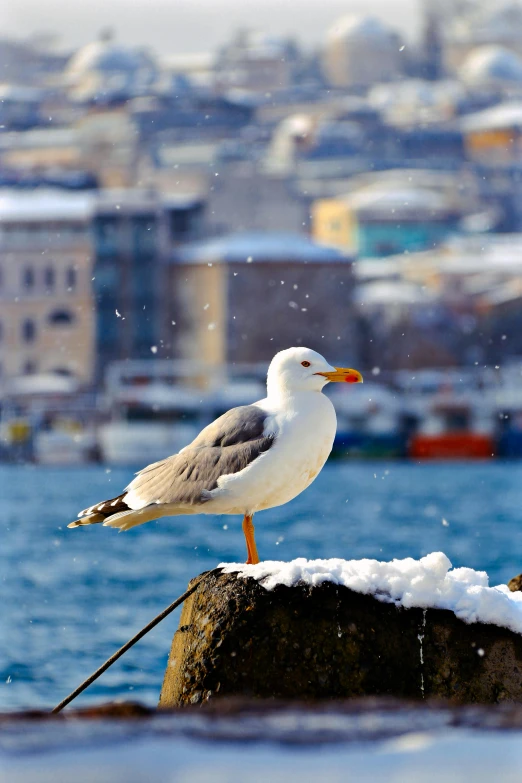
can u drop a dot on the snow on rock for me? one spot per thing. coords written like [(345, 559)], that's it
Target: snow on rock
[(430, 582)]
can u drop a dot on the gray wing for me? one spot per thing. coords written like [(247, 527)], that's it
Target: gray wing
[(226, 446)]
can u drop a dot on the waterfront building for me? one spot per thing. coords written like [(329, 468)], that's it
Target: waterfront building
[(242, 297), (133, 233), (46, 314), (381, 220)]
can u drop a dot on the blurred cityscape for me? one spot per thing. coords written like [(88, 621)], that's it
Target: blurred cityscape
[(168, 223)]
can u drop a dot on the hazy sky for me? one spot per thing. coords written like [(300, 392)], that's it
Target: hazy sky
[(179, 26)]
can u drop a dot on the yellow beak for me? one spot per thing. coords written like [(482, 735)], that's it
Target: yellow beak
[(343, 375)]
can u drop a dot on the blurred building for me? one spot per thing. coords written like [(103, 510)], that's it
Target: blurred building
[(256, 62), (172, 117), (35, 61), (492, 67), (381, 220), (241, 298), (431, 56), (46, 318), (108, 146), (476, 25), (360, 51), (20, 107), (106, 72), (417, 103), (133, 233), (102, 144), (494, 136), (459, 304), (39, 149)]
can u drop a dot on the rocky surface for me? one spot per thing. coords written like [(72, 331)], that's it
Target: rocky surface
[(328, 642), (515, 584), (238, 719)]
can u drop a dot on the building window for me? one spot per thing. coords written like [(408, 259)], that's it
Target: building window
[(107, 235), (71, 278), (29, 330), (29, 367), (180, 223), (61, 318), (144, 236), (49, 278), (28, 278)]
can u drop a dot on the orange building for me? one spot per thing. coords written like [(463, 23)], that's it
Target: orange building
[(494, 136)]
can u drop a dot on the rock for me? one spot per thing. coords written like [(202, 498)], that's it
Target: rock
[(328, 642), (515, 584)]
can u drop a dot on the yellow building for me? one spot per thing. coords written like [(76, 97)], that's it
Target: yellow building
[(46, 305), (494, 136), (333, 223), (383, 219)]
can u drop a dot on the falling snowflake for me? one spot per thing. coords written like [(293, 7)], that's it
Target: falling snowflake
[(154, 348)]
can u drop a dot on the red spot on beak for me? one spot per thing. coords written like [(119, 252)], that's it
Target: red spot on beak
[(351, 378)]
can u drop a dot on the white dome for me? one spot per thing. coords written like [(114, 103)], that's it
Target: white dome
[(105, 68), (491, 65), (358, 27), (360, 51), (108, 57)]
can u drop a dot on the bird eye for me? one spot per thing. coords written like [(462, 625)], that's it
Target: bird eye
[(305, 364)]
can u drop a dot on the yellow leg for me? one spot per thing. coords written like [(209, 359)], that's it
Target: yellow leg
[(248, 530)]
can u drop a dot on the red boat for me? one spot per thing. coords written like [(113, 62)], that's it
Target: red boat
[(452, 430)]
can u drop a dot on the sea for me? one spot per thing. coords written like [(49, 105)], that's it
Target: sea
[(70, 598)]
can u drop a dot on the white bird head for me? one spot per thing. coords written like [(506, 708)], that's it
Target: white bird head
[(301, 369)]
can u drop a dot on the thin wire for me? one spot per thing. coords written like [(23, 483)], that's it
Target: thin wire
[(94, 676)]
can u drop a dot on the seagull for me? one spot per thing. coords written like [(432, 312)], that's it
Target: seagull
[(251, 458)]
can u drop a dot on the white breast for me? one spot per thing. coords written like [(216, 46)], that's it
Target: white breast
[(305, 429)]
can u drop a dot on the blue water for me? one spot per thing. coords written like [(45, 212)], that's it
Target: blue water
[(69, 598)]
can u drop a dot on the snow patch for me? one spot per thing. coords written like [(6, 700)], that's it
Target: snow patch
[(430, 582)]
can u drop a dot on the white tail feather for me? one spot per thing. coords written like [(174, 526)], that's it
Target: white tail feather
[(124, 520)]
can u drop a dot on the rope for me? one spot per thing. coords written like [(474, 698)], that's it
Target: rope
[(94, 676)]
